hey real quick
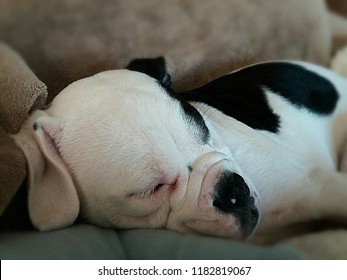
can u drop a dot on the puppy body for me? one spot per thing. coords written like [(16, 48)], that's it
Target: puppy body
[(124, 151), (298, 170)]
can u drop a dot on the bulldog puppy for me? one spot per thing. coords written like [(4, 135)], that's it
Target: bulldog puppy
[(263, 146)]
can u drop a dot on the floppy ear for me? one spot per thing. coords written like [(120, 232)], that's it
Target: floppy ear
[(53, 202), (154, 67)]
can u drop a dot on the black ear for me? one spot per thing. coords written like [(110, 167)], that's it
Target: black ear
[(154, 67)]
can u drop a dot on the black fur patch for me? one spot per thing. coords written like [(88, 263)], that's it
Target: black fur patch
[(154, 67), (192, 116), (241, 94)]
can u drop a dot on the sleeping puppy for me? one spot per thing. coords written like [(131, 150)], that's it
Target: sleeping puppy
[(253, 151)]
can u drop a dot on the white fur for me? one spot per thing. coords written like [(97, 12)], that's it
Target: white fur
[(117, 135)]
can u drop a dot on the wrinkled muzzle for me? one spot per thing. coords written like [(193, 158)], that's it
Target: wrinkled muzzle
[(219, 200)]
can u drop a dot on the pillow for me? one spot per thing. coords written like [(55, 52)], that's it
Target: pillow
[(91, 242)]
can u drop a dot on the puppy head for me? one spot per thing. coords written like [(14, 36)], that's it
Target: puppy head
[(123, 151)]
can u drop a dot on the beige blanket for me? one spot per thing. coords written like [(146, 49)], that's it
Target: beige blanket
[(20, 93)]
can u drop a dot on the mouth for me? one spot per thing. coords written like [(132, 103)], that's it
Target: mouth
[(224, 205), (249, 222)]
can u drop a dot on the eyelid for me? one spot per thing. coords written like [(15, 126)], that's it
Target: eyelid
[(148, 192), (143, 194)]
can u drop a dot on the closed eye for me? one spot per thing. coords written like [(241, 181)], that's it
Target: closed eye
[(150, 191), (158, 188)]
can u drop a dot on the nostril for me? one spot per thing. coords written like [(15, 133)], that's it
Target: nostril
[(239, 191), (232, 193)]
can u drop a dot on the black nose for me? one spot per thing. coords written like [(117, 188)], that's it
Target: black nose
[(232, 196), (232, 193)]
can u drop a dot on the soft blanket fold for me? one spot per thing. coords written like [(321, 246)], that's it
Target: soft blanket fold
[(20, 93), (20, 90)]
